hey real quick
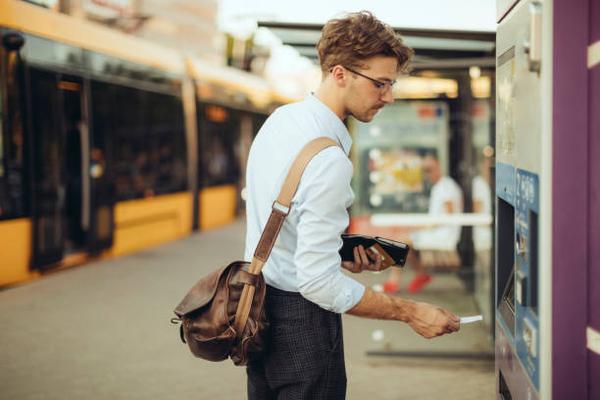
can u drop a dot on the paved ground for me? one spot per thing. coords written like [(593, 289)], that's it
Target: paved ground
[(102, 331)]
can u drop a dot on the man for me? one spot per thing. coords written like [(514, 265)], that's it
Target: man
[(360, 58), (446, 198)]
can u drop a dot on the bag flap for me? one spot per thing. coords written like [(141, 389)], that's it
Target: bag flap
[(201, 293)]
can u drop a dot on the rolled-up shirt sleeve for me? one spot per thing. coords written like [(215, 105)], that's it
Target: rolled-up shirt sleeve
[(322, 201)]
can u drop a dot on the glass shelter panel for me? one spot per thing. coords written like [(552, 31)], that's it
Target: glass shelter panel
[(389, 154)]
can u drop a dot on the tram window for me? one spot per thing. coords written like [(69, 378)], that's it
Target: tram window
[(147, 139), (218, 136), (42, 51), (1, 131), (109, 66), (48, 151), (168, 151), (12, 193), (3, 194), (258, 120)]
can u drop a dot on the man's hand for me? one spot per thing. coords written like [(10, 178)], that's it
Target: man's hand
[(364, 260), (431, 321)]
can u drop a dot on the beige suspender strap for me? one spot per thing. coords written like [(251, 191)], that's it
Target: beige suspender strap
[(281, 209)]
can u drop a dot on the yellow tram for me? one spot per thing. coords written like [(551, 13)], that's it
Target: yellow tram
[(110, 144), (231, 105)]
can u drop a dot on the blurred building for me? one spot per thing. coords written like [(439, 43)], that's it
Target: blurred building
[(188, 26), (183, 25)]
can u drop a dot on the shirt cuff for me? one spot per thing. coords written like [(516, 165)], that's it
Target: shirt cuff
[(349, 294)]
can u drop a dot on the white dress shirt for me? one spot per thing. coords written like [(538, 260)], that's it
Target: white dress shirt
[(442, 237), (305, 257)]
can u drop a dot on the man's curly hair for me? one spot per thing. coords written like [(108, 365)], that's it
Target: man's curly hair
[(357, 36)]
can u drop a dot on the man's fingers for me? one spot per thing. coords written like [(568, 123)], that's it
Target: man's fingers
[(378, 264), (453, 324), (364, 260), (357, 257), (454, 321), (376, 258), (355, 265), (369, 259), (456, 326)]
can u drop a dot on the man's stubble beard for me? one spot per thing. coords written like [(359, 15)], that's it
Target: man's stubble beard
[(365, 116)]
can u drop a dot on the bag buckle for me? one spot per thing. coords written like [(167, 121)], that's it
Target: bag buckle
[(280, 208), (178, 321)]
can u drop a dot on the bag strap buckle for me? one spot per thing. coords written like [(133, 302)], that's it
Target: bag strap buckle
[(280, 208)]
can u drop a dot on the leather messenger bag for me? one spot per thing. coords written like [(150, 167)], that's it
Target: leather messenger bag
[(223, 315)]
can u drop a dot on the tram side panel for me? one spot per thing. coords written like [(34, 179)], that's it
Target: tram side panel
[(219, 168), (92, 145), (98, 154), (225, 135), (15, 223)]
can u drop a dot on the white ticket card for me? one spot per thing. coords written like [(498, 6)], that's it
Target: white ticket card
[(468, 320)]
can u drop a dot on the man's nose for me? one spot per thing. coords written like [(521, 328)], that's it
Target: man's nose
[(388, 97)]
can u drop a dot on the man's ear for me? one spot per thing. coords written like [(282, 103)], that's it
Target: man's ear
[(338, 74)]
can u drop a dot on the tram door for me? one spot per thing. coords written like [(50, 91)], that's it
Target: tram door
[(64, 166)]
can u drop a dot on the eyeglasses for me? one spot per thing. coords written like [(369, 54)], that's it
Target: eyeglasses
[(382, 86)]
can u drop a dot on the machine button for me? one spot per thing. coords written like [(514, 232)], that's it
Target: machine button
[(521, 289), (530, 337)]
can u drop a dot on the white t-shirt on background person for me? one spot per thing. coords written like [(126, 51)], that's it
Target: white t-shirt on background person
[(482, 194), (443, 237)]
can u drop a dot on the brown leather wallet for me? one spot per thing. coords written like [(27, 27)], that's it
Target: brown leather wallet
[(393, 252)]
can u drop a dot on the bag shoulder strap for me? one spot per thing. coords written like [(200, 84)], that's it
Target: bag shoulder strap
[(280, 210), (281, 207)]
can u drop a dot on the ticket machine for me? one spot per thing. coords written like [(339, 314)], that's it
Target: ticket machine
[(547, 344), (518, 165)]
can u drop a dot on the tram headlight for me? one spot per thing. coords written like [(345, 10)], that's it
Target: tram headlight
[(13, 41)]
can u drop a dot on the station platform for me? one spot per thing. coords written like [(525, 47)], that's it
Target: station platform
[(102, 331)]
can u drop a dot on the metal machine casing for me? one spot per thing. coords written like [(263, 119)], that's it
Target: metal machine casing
[(518, 167)]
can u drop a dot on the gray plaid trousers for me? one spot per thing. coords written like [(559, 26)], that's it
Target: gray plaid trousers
[(304, 355)]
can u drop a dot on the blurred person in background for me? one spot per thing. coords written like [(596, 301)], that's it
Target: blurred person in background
[(482, 204), (482, 235), (307, 291), (446, 197)]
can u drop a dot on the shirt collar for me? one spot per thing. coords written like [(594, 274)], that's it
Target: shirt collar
[(335, 128)]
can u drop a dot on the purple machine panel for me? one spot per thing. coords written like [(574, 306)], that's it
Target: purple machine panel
[(570, 199), (594, 203)]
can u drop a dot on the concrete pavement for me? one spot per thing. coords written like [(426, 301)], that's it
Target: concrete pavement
[(102, 331)]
